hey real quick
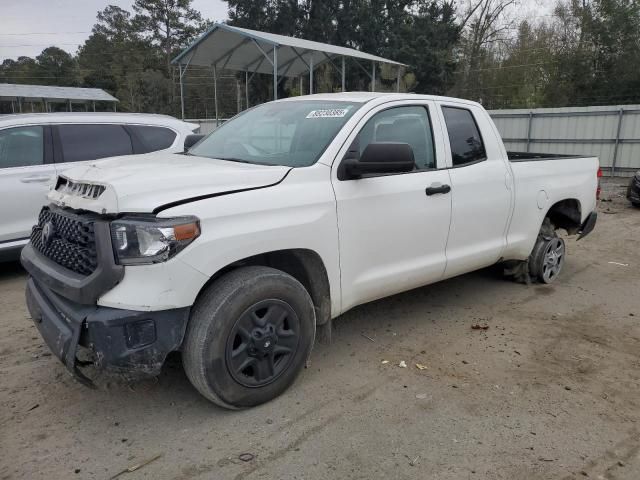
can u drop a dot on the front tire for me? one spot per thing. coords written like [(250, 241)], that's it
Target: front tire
[(249, 336)]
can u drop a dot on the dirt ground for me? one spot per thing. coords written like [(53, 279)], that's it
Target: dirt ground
[(549, 390)]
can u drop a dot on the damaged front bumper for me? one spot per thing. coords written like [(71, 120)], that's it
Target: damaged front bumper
[(124, 341)]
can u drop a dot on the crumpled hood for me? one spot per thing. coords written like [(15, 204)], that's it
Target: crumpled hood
[(144, 183)]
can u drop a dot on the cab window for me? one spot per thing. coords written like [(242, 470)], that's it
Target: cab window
[(410, 125), (464, 136)]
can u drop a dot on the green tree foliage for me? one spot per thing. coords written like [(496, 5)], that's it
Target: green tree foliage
[(53, 66), (586, 53), (168, 24), (421, 33)]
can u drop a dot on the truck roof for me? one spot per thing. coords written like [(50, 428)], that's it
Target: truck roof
[(364, 97)]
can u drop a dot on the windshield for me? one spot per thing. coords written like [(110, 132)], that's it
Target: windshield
[(292, 134)]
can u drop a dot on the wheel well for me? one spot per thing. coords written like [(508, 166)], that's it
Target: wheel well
[(304, 265), (566, 214)]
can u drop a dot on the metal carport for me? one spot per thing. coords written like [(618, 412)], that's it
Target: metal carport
[(47, 94), (250, 51)]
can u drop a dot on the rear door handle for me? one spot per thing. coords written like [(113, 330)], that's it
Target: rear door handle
[(435, 189), (36, 179)]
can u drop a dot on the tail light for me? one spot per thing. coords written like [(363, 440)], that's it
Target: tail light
[(599, 189)]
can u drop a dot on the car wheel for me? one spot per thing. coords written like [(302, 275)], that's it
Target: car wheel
[(249, 336), (548, 256)]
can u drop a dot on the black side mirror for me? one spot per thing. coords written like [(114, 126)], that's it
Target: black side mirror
[(381, 158), (191, 140)]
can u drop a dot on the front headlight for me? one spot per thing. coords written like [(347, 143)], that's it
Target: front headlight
[(143, 240)]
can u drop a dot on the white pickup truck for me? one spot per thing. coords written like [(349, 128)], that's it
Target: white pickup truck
[(287, 216)]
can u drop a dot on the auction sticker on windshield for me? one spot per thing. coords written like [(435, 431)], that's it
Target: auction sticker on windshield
[(330, 113)]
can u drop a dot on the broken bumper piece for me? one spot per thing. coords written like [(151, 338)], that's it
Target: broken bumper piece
[(589, 224), (123, 341)]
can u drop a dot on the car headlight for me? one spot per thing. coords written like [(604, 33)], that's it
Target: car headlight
[(145, 240)]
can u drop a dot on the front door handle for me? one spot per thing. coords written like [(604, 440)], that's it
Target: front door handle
[(435, 189), (36, 179)]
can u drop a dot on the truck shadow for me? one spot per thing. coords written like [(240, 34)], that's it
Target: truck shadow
[(11, 270)]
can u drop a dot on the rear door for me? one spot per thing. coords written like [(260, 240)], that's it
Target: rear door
[(480, 187), (392, 232), (26, 171)]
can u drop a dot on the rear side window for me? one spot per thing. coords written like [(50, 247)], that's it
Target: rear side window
[(464, 136), (90, 142), (154, 138), (21, 147)]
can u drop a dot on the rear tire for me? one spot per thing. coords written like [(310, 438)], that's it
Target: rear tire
[(548, 255), (249, 336)]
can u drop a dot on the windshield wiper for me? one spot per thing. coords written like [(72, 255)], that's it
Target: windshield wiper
[(239, 160)]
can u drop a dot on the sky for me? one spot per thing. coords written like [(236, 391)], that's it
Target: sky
[(29, 26)]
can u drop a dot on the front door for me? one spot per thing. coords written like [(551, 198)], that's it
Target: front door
[(392, 230), (25, 177)]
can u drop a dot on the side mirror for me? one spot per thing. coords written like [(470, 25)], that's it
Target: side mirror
[(381, 158), (191, 140)]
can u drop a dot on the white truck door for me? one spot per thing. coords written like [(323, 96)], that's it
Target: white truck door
[(480, 188), (392, 232), (26, 172)]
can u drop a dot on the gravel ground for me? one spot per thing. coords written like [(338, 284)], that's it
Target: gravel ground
[(549, 390)]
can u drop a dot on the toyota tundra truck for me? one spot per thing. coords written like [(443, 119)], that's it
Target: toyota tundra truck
[(237, 251)]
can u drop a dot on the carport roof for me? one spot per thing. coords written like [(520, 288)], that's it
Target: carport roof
[(241, 49), (9, 91)]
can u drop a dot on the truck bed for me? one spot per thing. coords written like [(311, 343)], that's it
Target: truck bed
[(533, 157)]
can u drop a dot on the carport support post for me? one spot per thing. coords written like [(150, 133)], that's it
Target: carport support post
[(615, 148), (311, 74), (215, 92), (246, 89), (181, 90), (275, 72), (373, 76), (343, 75), (398, 80), (529, 130), (93, 104)]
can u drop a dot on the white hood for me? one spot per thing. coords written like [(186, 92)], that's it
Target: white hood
[(142, 183)]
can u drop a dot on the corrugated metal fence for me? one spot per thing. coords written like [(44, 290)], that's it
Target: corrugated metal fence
[(611, 133)]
